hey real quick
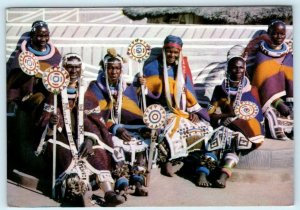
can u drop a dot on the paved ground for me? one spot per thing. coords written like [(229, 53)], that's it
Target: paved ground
[(273, 187), (265, 177)]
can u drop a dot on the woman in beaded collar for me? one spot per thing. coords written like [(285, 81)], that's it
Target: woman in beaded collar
[(236, 111), (273, 77)]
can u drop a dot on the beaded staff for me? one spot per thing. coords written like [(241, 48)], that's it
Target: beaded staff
[(55, 79), (139, 50), (154, 118)]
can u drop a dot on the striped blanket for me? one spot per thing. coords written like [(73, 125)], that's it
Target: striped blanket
[(130, 111), (28, 91), (274, 78), (252, 129)]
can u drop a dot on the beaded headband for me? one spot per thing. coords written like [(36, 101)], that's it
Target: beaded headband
[(38, 24), (65, 60), (237, 51), (173, 41), (112, 53), (276, 21)]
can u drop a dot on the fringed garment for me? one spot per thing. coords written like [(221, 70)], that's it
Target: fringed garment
[(76, 123), (28, 91), (119, 108), (172, 87), (274, 78), (247, 133)]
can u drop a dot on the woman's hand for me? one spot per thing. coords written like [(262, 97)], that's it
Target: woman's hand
[(142, 80), (53, 120), (229, 111), (194, 118), (123, 134)]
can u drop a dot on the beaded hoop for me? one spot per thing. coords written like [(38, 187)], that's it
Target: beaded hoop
[(29, 63)]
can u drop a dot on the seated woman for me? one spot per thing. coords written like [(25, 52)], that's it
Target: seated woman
[(26, 96), (273, 77), (82, 161), (168, 82), (236, 114), (120, 112)]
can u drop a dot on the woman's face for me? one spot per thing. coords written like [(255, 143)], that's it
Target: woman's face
[(172, 54), (74, 69), (236, 69), (114, 71), (40, 38), (277, 33)]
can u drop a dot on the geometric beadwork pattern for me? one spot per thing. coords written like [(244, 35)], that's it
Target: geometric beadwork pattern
[(55, 79), (154, 116), (246, 110), (139, 50), (29, 63)]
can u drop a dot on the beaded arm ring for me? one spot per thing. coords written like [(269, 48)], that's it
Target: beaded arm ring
[(277, 102)]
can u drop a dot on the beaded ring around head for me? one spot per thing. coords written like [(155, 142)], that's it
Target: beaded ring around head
[(65, 60), (273, 22), (112, 53), (236, 51)]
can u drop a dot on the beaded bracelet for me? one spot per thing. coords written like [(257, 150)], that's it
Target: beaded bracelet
[(277, 102), (227, 171)]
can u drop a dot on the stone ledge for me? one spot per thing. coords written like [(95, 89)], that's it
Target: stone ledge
[(272, 154)]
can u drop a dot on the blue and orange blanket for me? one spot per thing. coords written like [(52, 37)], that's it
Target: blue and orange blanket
[(18, 83), (273, 77), (131, 114), (253, 128), (156, 92)]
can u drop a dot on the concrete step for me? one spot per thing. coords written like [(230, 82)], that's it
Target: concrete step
[(271, 154), (262, 176)]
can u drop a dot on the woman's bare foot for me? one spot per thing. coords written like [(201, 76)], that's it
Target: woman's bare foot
[(221, 182), (140, 190), (202, 181), (167, 169)]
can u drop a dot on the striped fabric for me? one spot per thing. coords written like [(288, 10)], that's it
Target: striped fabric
[(19, 84), (251, 128), (153, 72), (273, 77), (130, 111)]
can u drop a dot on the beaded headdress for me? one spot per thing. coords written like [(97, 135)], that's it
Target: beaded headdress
[(173, 41), (38, 24), (66, 61)]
